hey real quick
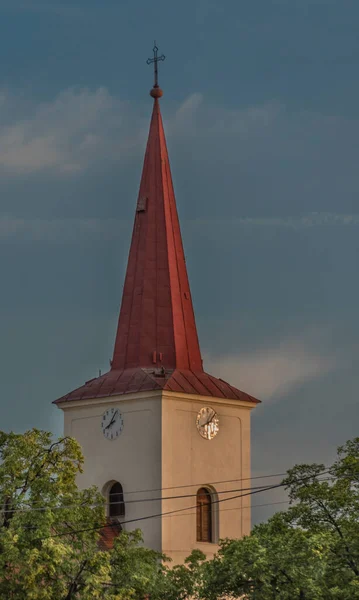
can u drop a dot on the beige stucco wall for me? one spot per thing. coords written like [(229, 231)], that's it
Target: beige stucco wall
[(134, 459), (190, 460), (160, 447)]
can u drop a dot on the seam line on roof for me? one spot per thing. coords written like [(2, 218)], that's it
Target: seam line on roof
[(101, 384), (143, 380), (129, 381), (146, 243), (198, 381), (143, 242), (213, 380), (162, 188), (168, 385), (135, 225), (204, 385), (111, 389), (170, 192), (188, 381), (176, 380), (156, 247), (132, 299), (152, 378)]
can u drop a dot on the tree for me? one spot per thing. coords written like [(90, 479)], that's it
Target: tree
[(49, 530), (275, 562), (181, 581), (309, 552)]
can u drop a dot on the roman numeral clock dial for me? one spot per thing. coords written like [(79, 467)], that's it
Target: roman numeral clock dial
[(112, 423)]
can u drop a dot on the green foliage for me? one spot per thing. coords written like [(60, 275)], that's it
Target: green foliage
[(274, 562), (40, 501), (309, 552), (135, 570), (181, 581)]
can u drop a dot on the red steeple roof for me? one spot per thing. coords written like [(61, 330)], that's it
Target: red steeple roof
[(156, 346), (156, 324)]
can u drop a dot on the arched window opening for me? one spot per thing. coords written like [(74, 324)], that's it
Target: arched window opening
[(116, 501), (204, 516)]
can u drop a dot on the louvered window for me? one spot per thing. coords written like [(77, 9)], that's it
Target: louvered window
[(204, 516), (116, 501)]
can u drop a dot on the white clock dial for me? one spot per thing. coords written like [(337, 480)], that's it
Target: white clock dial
[(207, 422), (112, 423)]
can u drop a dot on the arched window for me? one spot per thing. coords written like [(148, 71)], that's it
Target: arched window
[(116, 501), (204, 516)]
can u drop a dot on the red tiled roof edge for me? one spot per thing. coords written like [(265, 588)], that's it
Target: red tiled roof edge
[(148, 380)]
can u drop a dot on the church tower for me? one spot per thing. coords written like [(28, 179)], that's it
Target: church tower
[(167, 443)]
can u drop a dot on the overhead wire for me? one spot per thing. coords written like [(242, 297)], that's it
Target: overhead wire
[(162, 514), (244, 507), (177, 487), (43, 508), (237, 508), (136, 501), (201, 484), (147, 517)]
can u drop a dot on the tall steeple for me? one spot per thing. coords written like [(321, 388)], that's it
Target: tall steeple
[(156, 324), (157, 421), (156, 345)]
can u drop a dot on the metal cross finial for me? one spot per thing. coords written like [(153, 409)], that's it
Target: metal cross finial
[(155, 60)]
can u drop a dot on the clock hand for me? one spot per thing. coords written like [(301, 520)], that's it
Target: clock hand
[(211, 419), (112, 420)]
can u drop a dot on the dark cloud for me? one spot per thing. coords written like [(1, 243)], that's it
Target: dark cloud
[(262, 123)]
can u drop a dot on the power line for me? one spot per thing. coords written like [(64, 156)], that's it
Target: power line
[(148, 491), (194, 513), (162, 514), (239, 507), (139, 500), (147, 517), (202, 484)]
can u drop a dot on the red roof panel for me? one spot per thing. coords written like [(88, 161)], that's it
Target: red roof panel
[(146, 380)]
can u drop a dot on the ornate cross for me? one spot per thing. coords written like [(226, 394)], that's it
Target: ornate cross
[(155, 61)]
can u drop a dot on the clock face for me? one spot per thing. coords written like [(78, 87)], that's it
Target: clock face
[(112, 423), (207, 422)]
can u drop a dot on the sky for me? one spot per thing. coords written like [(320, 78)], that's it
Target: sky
[(261, 112)]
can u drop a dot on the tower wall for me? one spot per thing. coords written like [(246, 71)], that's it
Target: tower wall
[(134, 459), (161, 454), (191, 461)]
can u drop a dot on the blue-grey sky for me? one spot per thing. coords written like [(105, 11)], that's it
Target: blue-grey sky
[(261, 111)]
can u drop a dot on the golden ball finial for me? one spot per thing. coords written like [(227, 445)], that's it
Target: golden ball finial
[(156, 92)]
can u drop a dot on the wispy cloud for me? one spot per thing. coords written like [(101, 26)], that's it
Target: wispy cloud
[(183, 118), (310, 220), (65, 135), (273, 372), (198, 118), (63, 230), (262, 160), (81, 126)]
